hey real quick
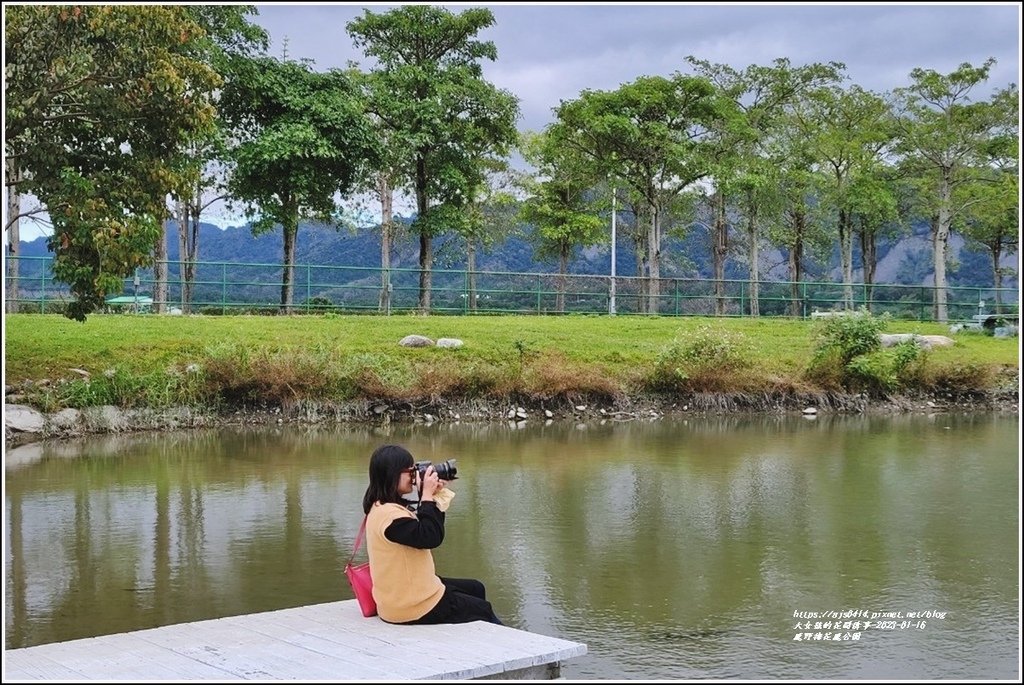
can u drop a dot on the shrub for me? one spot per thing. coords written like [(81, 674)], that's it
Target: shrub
[(850, 335), (706, 359), (841, 341)]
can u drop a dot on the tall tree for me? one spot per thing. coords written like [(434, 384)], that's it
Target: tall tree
[(434, 97), (649, 134), (796, 227), (872, 202), (100, 101), (560, 207), (229, 36), (849, 132), (491, 215), (303, 137), (741, 170), (943, 137)]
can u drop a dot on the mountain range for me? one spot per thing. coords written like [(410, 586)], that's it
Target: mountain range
[(906, 260)]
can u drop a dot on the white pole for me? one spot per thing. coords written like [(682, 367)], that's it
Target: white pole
[(611, 298)]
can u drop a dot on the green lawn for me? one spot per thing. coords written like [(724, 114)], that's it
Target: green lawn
[(620, 348)]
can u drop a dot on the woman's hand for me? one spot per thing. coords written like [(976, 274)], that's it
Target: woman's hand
[(431, 484)]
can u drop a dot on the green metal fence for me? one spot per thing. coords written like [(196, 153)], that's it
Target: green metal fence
[(235, 288)]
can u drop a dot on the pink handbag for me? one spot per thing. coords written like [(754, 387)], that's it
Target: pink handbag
[(360, 580)]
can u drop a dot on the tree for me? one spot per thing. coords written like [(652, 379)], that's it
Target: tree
[(229, 37), (302, 138), (762, 95), (100, 101), (849, 132), (433, 98), (559, 206), (491, 215), (992, 221), (873, 207), (796, 228), (647, 133), (943, 136)]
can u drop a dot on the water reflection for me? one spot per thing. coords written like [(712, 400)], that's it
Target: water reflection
[(674, 549)]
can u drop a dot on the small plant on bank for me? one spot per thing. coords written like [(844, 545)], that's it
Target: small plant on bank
[(884, 371), (123, 388), (705, 360), (840, 340)]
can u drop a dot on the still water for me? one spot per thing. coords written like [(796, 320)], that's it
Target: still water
[(677, 549)]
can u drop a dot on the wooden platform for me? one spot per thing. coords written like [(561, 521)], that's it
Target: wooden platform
[(320, 642)]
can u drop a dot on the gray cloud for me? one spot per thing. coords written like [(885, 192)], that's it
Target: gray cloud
[(548, 53)]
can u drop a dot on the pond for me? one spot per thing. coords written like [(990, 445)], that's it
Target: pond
[(704, 547)]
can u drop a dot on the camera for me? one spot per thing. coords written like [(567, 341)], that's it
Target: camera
[(445, 470)]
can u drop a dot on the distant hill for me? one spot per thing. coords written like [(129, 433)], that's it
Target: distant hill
[(906, 261)]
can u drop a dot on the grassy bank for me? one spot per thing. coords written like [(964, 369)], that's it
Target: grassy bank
[(224, 362)]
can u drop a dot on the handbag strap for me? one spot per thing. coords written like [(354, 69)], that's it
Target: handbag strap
[(359, 541)]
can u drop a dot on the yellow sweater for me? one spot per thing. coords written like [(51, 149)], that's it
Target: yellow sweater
[(405, 585)]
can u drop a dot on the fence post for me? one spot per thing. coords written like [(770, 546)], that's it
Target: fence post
[(308, 291), (223, 288), (42, 288)]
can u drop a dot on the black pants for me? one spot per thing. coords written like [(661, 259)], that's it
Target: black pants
[(464, 600)]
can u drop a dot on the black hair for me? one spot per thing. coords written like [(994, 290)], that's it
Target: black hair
[(386, 465)]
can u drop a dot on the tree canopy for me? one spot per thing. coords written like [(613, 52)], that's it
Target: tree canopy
[(99, 102)]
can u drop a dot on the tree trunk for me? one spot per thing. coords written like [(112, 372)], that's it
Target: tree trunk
[(640, 253), (192, 243), (13, 239), (846, 257), (796, 256), (290, 228), (386, 194), (940, 241), (563, 266), (471, 273), (869, 255), (426, 256), (160, 270), (187, 213), (997, 275), (181, 213), (654, 249), (753, 251), (719, 246)]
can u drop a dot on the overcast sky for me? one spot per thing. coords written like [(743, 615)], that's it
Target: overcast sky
[(548, 53)]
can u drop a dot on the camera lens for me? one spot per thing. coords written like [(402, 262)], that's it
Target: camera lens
[(446, 470)]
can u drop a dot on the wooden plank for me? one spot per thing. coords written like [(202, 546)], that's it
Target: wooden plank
[(127, 657), (330, 641), (32, 663), (503, 647), (410, 655), (248, 654), (357, 648)]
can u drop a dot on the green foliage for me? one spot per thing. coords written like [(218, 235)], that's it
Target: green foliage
[(84, 86), (881, 372), (430, 99), (302, 138), (700, 360), (849, 335), (122, 387)]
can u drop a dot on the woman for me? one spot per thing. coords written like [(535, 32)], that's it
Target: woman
[(398, 542)]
